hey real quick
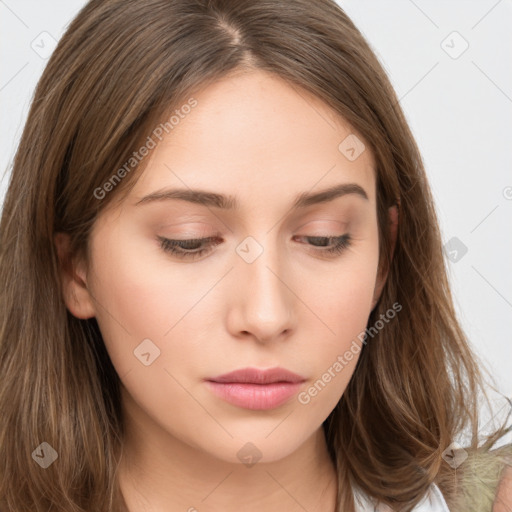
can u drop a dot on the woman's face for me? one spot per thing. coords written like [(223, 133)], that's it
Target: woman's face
[(264, 293)]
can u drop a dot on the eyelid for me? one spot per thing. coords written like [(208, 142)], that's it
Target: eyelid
[(190, 229), (332, 250), (335, 219), (311, 229)]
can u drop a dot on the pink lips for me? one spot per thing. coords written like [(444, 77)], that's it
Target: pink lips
[(255, 389)]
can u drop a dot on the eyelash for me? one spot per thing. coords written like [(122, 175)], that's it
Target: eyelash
[(342, 243)]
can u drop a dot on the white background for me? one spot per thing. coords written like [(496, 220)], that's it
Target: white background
[(459, 109)]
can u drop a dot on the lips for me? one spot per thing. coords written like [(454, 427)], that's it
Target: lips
[(255, 389), (256, 376)]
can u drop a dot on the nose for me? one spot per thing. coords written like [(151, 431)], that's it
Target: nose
[(263, 305)]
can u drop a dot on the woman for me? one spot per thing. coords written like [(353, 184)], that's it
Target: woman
[(223, 284)]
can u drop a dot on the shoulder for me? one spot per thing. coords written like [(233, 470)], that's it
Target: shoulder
[(503, 500), (486, 480)]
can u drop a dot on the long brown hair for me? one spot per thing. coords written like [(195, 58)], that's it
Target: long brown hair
[(117, 72)]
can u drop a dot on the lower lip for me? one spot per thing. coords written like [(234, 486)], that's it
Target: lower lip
[(257, 397)]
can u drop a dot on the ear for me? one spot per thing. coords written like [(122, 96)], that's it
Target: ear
[(381, 278), (74, 280)]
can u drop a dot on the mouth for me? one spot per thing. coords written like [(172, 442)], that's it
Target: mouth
[(254, 389)]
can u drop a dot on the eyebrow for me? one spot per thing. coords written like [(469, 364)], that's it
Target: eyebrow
[(228, 202)]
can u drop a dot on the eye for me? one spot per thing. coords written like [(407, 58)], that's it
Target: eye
[(340, 243), (189, 248), (196, 247)]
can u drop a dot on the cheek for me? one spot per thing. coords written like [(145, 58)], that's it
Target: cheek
[(136, 299), (341, 296), (343, 303)]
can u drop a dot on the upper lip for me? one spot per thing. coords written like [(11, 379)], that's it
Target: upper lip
[(257, 376)]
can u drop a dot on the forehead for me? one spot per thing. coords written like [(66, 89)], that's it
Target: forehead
[(255, 135)]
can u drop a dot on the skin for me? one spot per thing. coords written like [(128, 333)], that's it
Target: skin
[(503, 501), (257, 138)]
